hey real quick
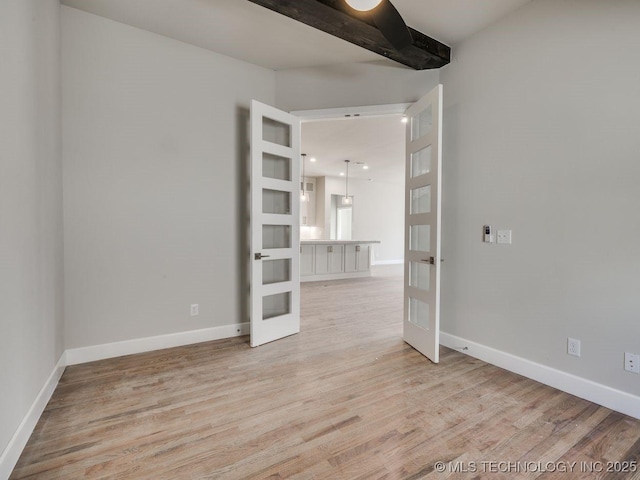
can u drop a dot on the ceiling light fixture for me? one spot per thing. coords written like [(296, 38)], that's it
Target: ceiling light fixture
[(303, 194), (347, 200), (363, 5), (405, 119), (365, 167), (312, 159)]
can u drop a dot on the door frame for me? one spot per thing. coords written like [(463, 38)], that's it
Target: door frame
[(348, 112)]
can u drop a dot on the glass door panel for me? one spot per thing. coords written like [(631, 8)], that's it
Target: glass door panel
[(421, 200), (276, 271), (276, 236), (420, 275), (274, 131), (420, 238), (421, 162), (275, 201), (419, 313), (277, 305), (276, 167)]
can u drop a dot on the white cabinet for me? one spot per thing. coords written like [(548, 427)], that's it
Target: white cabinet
[(336, 258), (307, 260), (328, 260), (356, 258)]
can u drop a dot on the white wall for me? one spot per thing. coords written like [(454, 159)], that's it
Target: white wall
[(154, 189), (351, 85), (378, 214), (542, 114), (31, 313)]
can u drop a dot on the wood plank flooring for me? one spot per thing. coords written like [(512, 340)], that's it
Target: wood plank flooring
[(344, 399)]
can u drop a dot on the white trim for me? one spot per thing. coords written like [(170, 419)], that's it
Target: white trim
[(351, 112), (16, 445), (398, 261), (148, 344), (617, 400)]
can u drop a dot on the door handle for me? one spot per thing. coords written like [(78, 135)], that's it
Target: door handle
[(431, 260), (259, 256)]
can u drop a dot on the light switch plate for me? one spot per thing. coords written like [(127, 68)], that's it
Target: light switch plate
[(504, 237)]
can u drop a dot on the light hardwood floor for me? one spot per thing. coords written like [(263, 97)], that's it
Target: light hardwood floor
[(344, 399)]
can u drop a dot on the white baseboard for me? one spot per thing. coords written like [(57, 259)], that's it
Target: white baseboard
[(148, 344), (617, 400), (16, 445), (388, 262)]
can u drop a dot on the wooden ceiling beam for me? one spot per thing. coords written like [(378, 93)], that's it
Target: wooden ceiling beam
[(336, 18)]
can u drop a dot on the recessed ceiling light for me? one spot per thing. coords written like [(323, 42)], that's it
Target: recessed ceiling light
[(365, 167), (404, 119), (312, 159), (342, 174)]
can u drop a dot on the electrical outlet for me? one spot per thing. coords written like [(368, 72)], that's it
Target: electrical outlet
[(573, 347), (194, 310), (631, 362)]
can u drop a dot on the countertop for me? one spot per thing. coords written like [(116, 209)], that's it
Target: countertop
[(337, 242)]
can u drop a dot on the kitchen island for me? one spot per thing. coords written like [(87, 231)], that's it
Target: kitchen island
[(335, 259)]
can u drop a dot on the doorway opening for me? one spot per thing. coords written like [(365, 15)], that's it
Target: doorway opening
[(373, 183)]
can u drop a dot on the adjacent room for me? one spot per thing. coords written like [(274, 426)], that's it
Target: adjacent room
[(352, 195), (184, 294)]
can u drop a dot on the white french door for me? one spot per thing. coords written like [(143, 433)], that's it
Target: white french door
[(422, 225), (275, 224)]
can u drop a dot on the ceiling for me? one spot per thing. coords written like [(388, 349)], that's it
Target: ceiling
[(378, 142), (249, 32)]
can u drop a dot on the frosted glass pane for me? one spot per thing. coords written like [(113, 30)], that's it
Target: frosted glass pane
[(421, 200), (419, 275), (276, 132), (421, 162), (421, 123), (276, 236), (276, 201), (276, 305), (276, 271), (276, 167), (419, 313), (420, 238)]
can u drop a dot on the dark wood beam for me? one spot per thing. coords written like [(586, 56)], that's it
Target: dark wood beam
[(338, 19)]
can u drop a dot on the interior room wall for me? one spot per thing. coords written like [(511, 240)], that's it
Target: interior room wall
[(541, 137), (378, 214), (155, 139), (31, 275), (351, 85)]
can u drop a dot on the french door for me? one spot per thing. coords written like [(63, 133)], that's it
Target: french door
[(421, 326), (275, 224)]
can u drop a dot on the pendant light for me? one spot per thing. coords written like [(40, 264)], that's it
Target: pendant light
[(304, 196), (347, 200)]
